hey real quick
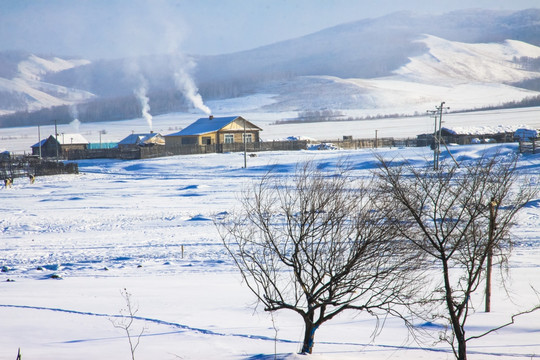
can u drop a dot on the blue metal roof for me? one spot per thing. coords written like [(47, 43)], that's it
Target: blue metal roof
[(38, 144), (205, 125)]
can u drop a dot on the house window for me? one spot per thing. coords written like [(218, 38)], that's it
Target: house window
[(206, 140), (247, 138), (229, 138)]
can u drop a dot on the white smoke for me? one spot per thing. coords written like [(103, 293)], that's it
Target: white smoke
[(74, 113), (140, 93), (184, 82), (76, 125), (133, 70)]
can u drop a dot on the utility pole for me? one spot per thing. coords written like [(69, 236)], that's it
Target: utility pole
[(39, 140), (245, 156), (56, 137), (437, 113), (376, 131), (434, 145)]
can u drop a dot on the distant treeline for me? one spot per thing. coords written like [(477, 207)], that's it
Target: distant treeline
[(528, 63), (333, 115), (113, 109), (162, 101), (166, 101), (527, 102)]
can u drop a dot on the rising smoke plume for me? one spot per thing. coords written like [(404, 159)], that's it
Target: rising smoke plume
[(140, 93), (74, 113), (184, 82), (133, 70)]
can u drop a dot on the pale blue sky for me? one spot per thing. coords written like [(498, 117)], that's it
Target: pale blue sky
[(118, 28)]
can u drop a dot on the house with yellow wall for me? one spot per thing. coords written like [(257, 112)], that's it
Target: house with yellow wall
[(214, 131)]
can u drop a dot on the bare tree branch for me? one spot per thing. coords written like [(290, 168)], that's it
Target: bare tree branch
[(459, 216), (319, 244)]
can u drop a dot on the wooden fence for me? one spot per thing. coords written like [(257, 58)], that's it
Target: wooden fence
[(26, 166), (529, 147), (372, 143), (146, 152)]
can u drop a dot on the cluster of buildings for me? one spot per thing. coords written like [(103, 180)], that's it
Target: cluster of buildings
[(205, 131), (218, 134)]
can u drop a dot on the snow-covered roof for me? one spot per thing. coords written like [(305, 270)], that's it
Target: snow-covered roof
[(482, 130), (135, 139), (64, 139), (71, 139), (207, 125)]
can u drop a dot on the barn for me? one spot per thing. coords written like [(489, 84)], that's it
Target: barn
[(59, 145), (214, 131)]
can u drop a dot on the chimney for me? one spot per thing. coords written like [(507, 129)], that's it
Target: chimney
[(211, 117)]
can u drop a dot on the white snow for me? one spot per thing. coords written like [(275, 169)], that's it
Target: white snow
[(470, 63), (35, 67), (145, 226), (483, 130), (37, 94), (469, 76)]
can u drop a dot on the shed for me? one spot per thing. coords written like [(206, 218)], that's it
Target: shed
[(58, 145), (525, 134), (471, 134), (136, 140), (216, 130)]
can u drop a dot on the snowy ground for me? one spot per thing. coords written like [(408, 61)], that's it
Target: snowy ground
[(145, 226)]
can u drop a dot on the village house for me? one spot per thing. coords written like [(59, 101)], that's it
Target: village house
[(135, 140), (54, 146), (214, 131)]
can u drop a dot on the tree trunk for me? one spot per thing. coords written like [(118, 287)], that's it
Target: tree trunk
[(458, 331), (488, 280), (489, 265), (309, 334), (462, 347)]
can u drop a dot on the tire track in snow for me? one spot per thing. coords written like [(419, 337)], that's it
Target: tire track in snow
[(141, 318), (253, 337)]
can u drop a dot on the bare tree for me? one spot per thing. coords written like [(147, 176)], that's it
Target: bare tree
[(317, 244), (459, 216), (125, 322)]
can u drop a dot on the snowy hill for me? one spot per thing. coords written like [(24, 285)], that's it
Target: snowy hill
[(466, 75), (399, 63), (22, 88)]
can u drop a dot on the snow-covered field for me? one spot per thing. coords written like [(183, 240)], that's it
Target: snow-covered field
[(145, 226)]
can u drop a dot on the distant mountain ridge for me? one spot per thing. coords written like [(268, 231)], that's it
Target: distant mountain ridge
[(354, 65), (22, 88)]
